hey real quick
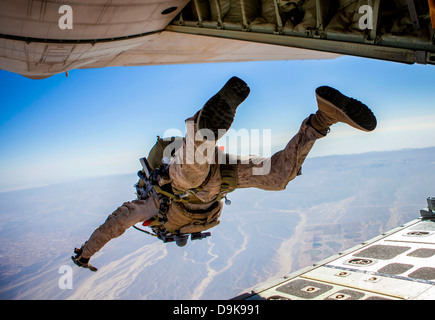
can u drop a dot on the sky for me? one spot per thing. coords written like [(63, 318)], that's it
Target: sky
[(101, 121)]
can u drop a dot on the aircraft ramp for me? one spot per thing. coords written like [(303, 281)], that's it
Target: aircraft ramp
[(397, 265)]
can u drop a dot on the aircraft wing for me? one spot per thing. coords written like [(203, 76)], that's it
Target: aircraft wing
[(397, 265), (40, 38)]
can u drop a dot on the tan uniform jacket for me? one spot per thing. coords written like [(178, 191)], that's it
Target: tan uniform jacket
[(264, 173)]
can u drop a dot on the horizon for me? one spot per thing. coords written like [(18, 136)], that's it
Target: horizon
[(133, 173)]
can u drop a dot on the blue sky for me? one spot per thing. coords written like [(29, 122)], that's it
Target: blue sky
[(101, 121)]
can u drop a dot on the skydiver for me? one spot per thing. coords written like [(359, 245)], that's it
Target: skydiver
[(186, 198)]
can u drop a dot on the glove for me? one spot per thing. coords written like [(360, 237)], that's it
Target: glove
[(80, 261)]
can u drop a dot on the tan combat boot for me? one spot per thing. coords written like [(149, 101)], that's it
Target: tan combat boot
[(335, 107), (220, 110)]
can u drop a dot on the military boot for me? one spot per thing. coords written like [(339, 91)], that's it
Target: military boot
[(335, 107), (220, 110)]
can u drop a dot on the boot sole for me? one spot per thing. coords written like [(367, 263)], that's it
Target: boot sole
[(220, 110), (354, 112)]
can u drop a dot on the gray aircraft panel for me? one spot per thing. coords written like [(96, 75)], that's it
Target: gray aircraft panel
[(397, 265)]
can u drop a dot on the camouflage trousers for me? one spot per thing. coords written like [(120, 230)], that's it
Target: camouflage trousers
[(272, 173)]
